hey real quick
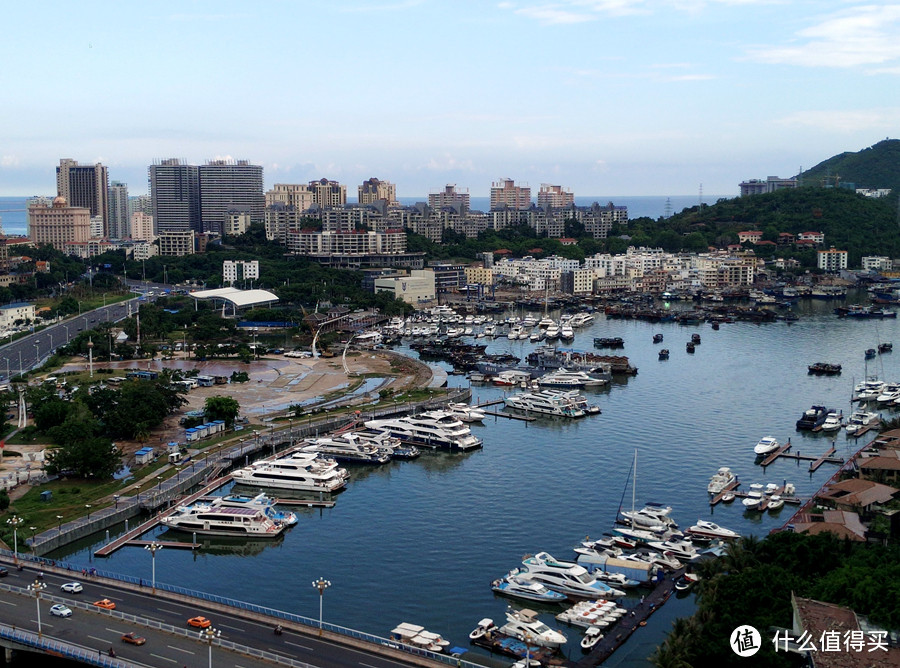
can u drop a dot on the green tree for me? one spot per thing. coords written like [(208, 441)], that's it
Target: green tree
[(222, 408)]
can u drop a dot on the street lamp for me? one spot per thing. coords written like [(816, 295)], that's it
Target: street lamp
[(59, 519), (66, 327), (36, 588), (321, 584), (88, 508), (158, 483), (37, 352), (33, 529), (209, 634), (14, 522), (153, 548), (116, 499)]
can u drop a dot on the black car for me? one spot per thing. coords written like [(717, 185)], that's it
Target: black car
[(3, 572)]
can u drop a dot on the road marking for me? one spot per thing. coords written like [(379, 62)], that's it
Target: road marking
[(164, 658), (96, 638), (8, 603), (168, 612), (233, 628), (288, 642), (178, 649), (367, 665), (113, 630)]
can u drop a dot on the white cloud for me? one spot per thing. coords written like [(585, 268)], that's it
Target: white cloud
[(9, 161), (388, 7), (843, 121), (862, 35), (448, 163), (690, 77)]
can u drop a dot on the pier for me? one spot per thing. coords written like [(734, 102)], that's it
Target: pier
[(775, 455)]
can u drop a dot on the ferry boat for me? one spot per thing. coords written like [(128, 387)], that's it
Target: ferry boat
[(212, 520), (346, 448), (544, 402), (434, 429), (296, 473)]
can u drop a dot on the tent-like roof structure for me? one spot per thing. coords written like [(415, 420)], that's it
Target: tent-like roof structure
[(237, 298)]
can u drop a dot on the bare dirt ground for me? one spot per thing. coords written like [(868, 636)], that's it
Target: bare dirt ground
[(275, 384)]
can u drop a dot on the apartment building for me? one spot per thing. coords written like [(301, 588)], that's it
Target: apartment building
[(227, 185), (373, 190), (59, 223), (555, 197), (240, 270), (296, 195), (450, 197), (117, 225), (84, 186), (832, 260), (505, 193), (177, 243)]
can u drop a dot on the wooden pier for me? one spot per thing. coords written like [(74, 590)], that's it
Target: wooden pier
[(824, 458), (164, 543), (510, 416), (730, 487), (775, 455)]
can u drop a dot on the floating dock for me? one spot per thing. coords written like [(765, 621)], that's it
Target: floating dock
[(501, 643), (775, 455)]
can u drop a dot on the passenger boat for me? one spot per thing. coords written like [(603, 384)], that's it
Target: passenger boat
[(346, 448), (712, 530), (544, 402), (567, 378), (766, 445), (524, 624), (212, 520), (433, 429), (720, 480), (565, 577), (812, 418), (416, 637), (260, 502), (295, 473), (516, 587)]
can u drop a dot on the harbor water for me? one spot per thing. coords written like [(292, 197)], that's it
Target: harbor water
[(421, 541)]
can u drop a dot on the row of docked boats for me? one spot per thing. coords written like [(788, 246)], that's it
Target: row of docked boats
[(233, 516), (562, 378), (820, 418), (569, 404)]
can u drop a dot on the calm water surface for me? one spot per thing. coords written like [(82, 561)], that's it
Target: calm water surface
[(421, 541)]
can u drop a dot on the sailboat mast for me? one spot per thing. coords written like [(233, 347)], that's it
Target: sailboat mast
[(633, 487)]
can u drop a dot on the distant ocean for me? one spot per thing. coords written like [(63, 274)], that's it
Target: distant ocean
[(14, 220)]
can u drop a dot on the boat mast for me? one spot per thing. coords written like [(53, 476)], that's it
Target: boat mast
[(633, 486)]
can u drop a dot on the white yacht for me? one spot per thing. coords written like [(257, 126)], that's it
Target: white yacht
[(592, 613), (683, 550), (536, 335), (347, 448), (752, 500), (766, 445), (566, 333), (514, 332), (552, 332), (522, 624), (832, 422), (650, 518), (890, 392), (720, 480), (547, 403), (258, 502), (212, 520), (870, 390), (546, 321), (860, 419), (434, 429), (516, 587), (295, 473), (569, 378), (466, 413), (565, 577), (711, 530)]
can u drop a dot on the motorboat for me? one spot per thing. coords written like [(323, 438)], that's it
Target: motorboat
[(615, 579), (812, 417), (651, 515), (544, 402), (433, 429), (752, 500), (664, 354), (775, 503), (417, 637), (568, 378), (869, 390), (591, 637), (889, 393), (660, 559), (346, 448), (261, 501), (546, 321), (516, 587), (466, 413), (832, 422), (721, 479), (566, 333), (712, 530), (484, 626), (522, 624), (728, 497), (589, 614), (657, 338), (512, 377), (536, 335), (858, 420), (565, 577), (766, 445), (682, 550), (295, 473), (212, 520), (552, 332)]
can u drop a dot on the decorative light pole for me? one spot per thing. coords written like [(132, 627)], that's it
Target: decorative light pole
[(33, 529), (87, 507), (209, 634), (321, 584), (153, 548), (59, 519), (36, 588), (90, 347), (14, 522)]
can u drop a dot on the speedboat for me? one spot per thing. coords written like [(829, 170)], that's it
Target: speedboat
[(516, 587), (591, 637), (890, 392), (766, 445), (712, 530), (752, 500), (860, 419), (680, 549), (869, 390), (720, 480), (775, 503), (565, 577), (522, 624), (832, 422), (615, 579), (812, 417)]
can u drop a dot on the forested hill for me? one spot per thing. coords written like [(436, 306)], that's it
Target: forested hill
[(875, 167), (858, 224)]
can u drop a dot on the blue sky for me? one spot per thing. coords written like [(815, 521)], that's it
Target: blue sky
[(605, 97)]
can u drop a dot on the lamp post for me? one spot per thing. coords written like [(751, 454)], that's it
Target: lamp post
[(209, 634), (36, 588), (59, 519), (37, 352), (153, 548), (158, 483), (33, 529), (321, 584), (116, 499), (66, 327), (14, 522), (88, 508)]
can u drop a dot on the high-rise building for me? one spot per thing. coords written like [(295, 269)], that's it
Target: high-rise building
[(59, 223), (141, 227), (296, 195), (449, 196), (117, 225), (226, 184), (84, 186), (374, 189), (237, 221), (507, 193), (554, 196), (239, 270), (175, 196), (328, 194), (141, 203)]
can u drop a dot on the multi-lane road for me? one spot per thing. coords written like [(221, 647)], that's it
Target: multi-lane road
[(100, 631)]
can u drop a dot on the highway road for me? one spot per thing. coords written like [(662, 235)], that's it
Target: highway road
[(100, 631)]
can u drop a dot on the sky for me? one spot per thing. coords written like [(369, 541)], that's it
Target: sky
[(603, 97)]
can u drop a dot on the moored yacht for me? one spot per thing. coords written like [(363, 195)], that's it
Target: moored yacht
[(720, 480), (295, 473), (712, 530), (434, 429), (346, 448), (260, 502), (223, 521), (766, 445), (832, 422), (466, 413), (524, 624), (516, 587), (569, 378), (565, 577), (859, 420), (544, 402)]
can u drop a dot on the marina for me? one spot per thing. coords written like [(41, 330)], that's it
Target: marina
[(587, 457)]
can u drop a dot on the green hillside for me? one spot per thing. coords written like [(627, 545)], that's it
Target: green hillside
[(875, 167)]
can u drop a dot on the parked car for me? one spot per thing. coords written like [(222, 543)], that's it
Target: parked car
[(60, 610), (72, 587), (3, 572)]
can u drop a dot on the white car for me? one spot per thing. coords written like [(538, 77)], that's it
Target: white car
[(72, 587), (60, 610)]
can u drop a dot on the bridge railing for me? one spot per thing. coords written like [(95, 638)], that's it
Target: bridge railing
[(65, 650)]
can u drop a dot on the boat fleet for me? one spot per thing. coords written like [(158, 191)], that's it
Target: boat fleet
[(232, 516)]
